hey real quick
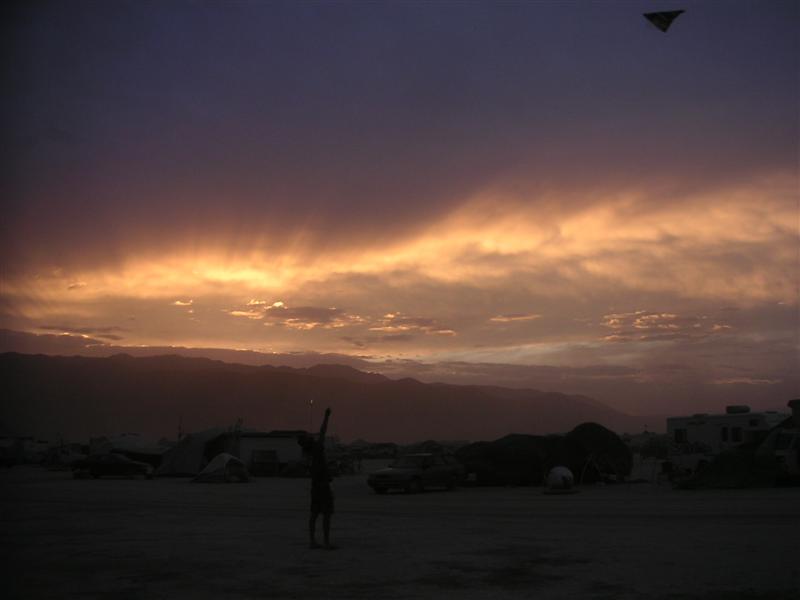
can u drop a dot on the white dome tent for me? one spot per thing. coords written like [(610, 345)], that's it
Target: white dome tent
[(560, 480), (188, 457)]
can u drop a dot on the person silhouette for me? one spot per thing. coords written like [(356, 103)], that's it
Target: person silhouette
[(321, 494)]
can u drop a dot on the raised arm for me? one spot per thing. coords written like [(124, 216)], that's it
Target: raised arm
[(324, 428)]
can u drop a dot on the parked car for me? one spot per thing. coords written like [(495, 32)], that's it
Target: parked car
[(416, 472), (112, 465)]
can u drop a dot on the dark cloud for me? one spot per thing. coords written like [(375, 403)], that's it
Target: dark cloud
[(67, 344), (59, 135), (358, 343), (111, 337), (302, 314), (275, 118), (372, 340), (296, 317)]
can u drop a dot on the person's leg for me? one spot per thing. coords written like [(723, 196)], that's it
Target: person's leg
[(312, 530), (326, 529)]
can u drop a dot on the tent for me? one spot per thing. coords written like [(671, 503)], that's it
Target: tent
[(590, 451), (516, 459), (560, 480), (224, 468), (189, 456), (605, 453)]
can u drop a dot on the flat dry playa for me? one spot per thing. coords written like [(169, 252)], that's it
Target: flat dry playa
[(170, 538)]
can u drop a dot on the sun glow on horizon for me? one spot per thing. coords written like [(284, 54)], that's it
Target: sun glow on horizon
[(610, 241)]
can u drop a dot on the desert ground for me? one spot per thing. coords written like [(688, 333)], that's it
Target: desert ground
[(170, 538)]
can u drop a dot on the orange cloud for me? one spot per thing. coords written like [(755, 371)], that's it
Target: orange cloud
[(690, 249), (514, 318), (486, 271), (249, 314), (647, 326), (394, 323)]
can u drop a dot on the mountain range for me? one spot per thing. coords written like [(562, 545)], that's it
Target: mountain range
[(76, 397)]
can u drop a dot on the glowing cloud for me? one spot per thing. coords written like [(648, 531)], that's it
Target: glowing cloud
[(513, 318), (249, 314), (653, 326), (394, 323)]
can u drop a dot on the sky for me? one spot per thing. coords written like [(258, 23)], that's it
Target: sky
[(544, 194)]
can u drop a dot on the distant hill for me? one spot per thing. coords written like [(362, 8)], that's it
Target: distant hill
[(80, 396)]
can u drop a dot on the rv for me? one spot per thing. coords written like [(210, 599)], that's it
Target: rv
[(783, 443), (696, 440)]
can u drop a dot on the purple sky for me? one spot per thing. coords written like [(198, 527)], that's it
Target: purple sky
[(473, 189)]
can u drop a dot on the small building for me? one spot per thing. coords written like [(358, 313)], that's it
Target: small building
[(697, 439)]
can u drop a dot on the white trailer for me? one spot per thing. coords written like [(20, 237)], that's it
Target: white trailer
[(697, 439), (783, 443), (267, 453)]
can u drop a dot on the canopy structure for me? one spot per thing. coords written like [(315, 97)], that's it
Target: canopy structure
[(224, 468), (189, 457), (663, 20)]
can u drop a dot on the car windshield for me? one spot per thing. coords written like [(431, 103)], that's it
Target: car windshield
[(410, 462)]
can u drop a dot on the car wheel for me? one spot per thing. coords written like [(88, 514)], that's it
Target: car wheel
[(451, 483)]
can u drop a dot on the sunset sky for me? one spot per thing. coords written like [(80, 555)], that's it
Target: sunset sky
[(457, 187)]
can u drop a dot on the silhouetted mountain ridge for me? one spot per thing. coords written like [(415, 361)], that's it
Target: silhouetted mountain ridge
[(80, 396)]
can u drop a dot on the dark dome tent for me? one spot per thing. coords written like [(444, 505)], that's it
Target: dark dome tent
[(592, 452)]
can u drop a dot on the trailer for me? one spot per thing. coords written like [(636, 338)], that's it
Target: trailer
[(783, 443), (696, 440), (268, 453)]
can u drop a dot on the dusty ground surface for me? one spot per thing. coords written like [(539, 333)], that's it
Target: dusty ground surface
[(169, 538)]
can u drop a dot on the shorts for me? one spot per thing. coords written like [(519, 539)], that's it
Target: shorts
[(322, 500)]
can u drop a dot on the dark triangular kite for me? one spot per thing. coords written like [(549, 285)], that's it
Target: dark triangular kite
[(663, 20)]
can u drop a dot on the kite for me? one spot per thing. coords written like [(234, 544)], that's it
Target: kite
[(663, 20)]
